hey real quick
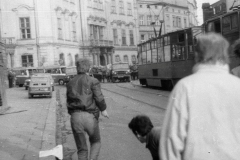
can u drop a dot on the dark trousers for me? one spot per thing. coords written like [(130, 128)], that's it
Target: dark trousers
[(82, 123)]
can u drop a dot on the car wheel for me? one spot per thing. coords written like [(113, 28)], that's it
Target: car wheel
[(50, 95), (129, 79), (52, 88), (61, 82), (26, 88)]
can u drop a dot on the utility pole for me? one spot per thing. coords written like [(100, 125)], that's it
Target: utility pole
[(36, 31), (81, 25)]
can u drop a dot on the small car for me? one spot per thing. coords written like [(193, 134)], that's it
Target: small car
[(121, 72), (41, 84)]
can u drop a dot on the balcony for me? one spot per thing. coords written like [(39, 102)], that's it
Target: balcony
[(96, 43)]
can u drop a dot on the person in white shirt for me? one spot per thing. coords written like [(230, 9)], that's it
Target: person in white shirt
[(202, 120)]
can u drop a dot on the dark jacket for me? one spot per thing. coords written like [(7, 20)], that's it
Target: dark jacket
[(84, 94)]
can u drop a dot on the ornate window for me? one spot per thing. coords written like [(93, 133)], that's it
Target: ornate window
[(115, 36), (113, 7), (117, 58), (27, 60), (60, 35), (124, 37), (125, 58), (131, 37), (121, 7), (25, 29), (74, 32), (129, 5)]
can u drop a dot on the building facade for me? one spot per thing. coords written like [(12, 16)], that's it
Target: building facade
[(109, 31), (172, 15), (41, 32)]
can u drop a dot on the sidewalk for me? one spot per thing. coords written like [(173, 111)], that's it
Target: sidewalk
[(27, 127)]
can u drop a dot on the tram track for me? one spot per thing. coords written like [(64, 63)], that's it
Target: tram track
[(137, 100), (158, 94)]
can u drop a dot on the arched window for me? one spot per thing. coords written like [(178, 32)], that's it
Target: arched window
[(125, 58), (70, 60), (61, 59), (134, 60), (117, 58), (76, 58)]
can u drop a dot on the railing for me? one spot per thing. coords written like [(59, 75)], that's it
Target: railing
[(96, 42)]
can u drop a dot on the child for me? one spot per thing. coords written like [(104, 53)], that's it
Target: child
[(143, 129)]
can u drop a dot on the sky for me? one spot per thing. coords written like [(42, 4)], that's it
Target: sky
[(199, 9)]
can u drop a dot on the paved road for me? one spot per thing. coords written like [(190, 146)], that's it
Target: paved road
[(124, 101)]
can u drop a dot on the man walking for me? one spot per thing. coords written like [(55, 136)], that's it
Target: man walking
[(84, 101)]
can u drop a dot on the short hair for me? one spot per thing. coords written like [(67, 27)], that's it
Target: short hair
[(141, 124), (236, 47), (211, 48), (83, 65)]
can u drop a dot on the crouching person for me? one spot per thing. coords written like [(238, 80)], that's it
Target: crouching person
[(143, 129), (84, 101)]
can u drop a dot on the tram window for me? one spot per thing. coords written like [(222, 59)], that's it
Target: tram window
[(181, 37), (155, 72), (234, 21), (214, 26), (226, 24), (159, 42), (166, 41), (154, 55), (177, 52)]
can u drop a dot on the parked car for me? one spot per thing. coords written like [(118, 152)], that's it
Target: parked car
[(41, 84)]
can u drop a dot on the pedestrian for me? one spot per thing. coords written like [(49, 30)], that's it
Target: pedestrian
[(202, 118), (145, 132), (236, 49), (84, 101), (10, 79)]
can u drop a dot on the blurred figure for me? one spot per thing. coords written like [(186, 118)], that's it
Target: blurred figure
[(203, 115), (143, 129), (236, 50), (11, 78), (84, 100)]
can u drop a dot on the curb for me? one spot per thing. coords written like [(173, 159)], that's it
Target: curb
[(4, 110), (49, 133)]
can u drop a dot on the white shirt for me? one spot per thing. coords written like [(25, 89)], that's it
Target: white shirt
[(203, 117)]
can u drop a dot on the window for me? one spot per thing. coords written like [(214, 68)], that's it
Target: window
[(100, 33), (131, 37), (115, 36), (156, 20), (141, 20), (117, 58), (95, 32), (91, 31), (142, 37), (61, 59), (179, 22), (76, 57), (125, 58), (156, 7), (100, 6), (185, 22), (60, 35), (124, 37), (134, 59), (113, 8), (27, 61), (25, 28), (174, 21), (149, 19), (121, 7), (129, 9), (140, 6), (74, 34), (67, 29)]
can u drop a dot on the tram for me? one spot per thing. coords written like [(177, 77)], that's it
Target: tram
[(228, 26), (166, 59)]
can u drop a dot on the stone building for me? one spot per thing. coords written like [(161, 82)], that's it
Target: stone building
[(41, 32), (172, 14), (109, 31), (3, 74)]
